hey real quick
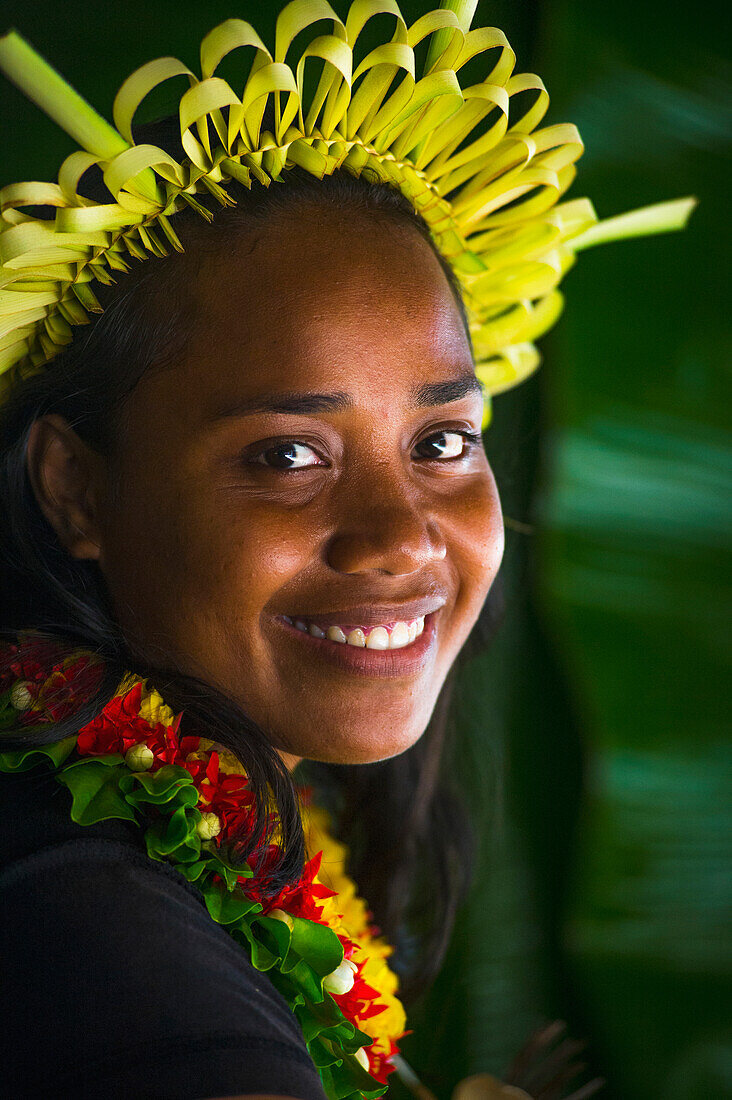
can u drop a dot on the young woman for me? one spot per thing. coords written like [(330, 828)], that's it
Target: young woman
[(249, 523)]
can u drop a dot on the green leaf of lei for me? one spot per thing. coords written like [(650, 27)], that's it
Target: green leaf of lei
[(220, 863), (320, 1019), (318, 944), (225, 907), (158, 788), (174, 837), (95, 791), (275, 935), (22, 760)]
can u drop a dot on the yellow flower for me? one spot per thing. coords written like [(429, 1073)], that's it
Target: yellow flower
[(228, 763), (347, 914), (154, 710), (126, 684)]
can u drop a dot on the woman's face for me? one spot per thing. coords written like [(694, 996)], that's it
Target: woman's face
[(300, 471)]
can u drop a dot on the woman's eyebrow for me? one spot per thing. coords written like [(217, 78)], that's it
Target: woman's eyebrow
[(424, 395), (441, 393)]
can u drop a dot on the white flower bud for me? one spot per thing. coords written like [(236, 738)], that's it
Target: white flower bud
[(139, 757), (280, 914), (20, 696), (209, 826), (362, 1057), (341, 979)]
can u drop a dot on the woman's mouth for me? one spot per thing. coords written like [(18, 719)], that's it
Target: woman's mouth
[(391, 649), (393, 635)]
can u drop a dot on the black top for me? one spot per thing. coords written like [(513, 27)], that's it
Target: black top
[(116, 983)]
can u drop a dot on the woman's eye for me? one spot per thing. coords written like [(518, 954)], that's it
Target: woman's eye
[(288, 456), (449, 444), (291, 455)]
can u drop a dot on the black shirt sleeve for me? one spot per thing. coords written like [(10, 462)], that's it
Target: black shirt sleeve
[(117, 984)]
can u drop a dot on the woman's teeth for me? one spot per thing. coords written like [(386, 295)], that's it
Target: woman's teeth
[(389, 636)]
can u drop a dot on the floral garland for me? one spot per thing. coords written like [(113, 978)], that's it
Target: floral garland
[(314, 939)]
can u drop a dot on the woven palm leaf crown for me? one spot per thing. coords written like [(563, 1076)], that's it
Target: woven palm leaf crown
[(487, 184)]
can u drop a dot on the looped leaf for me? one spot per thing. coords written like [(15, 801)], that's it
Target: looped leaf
[(22, 760), (169, 784), (174, 836), (471, 164), (123, 170), (225, 907), (138, 86), (232, 34), (318, 944), (449, 38), (94, 783)]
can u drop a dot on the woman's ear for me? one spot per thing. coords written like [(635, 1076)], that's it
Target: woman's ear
[(66, 477)]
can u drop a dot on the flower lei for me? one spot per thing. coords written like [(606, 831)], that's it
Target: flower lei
[(314, 939)]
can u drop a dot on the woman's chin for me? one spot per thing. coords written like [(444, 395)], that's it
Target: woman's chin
[(367, 744)]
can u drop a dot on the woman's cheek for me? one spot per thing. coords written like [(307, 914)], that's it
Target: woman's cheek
[(475, 548), (477, 536), (259, 552)]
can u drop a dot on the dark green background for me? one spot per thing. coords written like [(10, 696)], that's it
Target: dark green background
[(592, 733)]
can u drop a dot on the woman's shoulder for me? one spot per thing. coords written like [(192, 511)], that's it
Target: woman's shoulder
[(121, 982), (36, 809)]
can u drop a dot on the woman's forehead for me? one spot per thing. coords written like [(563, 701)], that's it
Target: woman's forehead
[(326, 303), (313, 376)]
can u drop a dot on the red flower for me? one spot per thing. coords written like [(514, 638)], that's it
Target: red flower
[(228, 795), (188, 746), (362, 1000), (116, 728), (56, 689), (298, 898), (348, 945), (31, 659), (380, 1064), (165, 744), (66, 689), (119, 726)]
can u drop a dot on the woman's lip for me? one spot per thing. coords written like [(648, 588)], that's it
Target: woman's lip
[(390, 663), (373, 614)]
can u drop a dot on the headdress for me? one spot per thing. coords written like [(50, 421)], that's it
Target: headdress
[(486, 181)]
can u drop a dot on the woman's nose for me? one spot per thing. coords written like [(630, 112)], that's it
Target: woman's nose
[(386, 533)]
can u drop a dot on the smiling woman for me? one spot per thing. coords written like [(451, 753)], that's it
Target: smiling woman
[(250, 525), (291, 530)]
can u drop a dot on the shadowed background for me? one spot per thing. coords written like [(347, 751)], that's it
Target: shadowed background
[(591, 735)]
